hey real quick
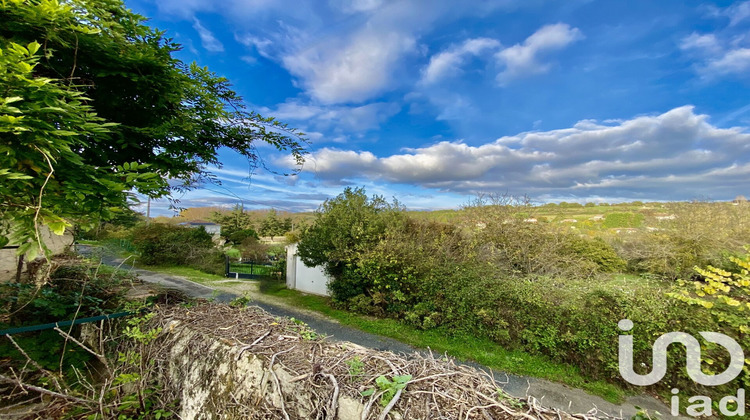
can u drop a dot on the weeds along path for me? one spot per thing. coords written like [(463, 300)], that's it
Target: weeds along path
[(551, 394)]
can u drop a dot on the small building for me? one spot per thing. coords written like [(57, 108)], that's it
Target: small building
[(300, 277)]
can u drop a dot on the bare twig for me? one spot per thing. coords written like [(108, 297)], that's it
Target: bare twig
[(335, 398), (33, 362), (391, 404), (276, 379), (258, 340), (6, 379), (83, 346)]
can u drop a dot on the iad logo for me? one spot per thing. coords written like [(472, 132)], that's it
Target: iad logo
[(693, 364)]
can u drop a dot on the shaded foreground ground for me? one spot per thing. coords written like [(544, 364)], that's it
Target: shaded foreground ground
[(550, 394)]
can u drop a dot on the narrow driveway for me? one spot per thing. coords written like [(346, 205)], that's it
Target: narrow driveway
[(551, 394)]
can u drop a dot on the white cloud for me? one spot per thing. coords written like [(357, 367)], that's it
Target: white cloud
[(262, 45), (352, 70), (702, 43), (736, 12), (676, 155), (336, 117), (362, 55), (208, 40), (233, 8), (732, 62), (448, 63), (726, 52), (524, 59)]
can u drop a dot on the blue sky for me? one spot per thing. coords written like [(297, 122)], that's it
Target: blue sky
[(435, 101)]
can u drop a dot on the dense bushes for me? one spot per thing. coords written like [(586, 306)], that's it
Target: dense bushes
[(160, 244), (347, 226), (525, 285), (623, 220), (689, 235), (74, 289)]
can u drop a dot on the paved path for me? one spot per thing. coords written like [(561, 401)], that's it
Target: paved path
[(551, 394)]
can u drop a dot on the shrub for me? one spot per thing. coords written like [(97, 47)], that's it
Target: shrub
[(623, 220), (252, 250), (239, 236), (726, 295), (345, 227), (74, 289), (596, 251), (160, 244)]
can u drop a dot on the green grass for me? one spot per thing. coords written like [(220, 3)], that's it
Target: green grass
[(257, 269), (463, 347), (187, 272)]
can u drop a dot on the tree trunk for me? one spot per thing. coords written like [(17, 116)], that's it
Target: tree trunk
[(19, 268)]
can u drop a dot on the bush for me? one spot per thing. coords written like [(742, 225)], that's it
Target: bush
[(596, 251), (160, 244), (524, 285), (239, 236), (623, 220), (345, 227), (74, 289), (252, 250)]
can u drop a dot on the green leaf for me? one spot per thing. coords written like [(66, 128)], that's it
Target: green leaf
[(367, 392), (11, 99), (402, 379), (33, 47), (4, 241), (58, 228), (383, 382)]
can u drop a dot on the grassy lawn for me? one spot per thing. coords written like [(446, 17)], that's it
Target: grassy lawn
[(463, 347), (256, 269), (187, 272)]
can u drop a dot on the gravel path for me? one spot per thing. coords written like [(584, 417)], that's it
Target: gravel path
[(551, 394)]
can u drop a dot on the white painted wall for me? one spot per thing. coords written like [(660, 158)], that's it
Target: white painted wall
[(303, 278)]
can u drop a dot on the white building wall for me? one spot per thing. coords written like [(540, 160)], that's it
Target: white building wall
[(303, 278)]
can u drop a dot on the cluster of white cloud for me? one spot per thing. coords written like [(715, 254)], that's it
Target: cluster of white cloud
[(519, 60), (725, 52), (448, 63), (662, 157), (351, 70), (523, 59)]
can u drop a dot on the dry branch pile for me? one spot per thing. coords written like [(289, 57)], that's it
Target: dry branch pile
[(332, 375)]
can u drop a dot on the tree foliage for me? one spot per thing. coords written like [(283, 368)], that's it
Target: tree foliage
[(273, 226), (94, 105), (235, 225), (44, 181), (344, 228)]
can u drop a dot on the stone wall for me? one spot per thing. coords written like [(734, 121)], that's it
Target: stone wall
[(212, 375), (9, 259)]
